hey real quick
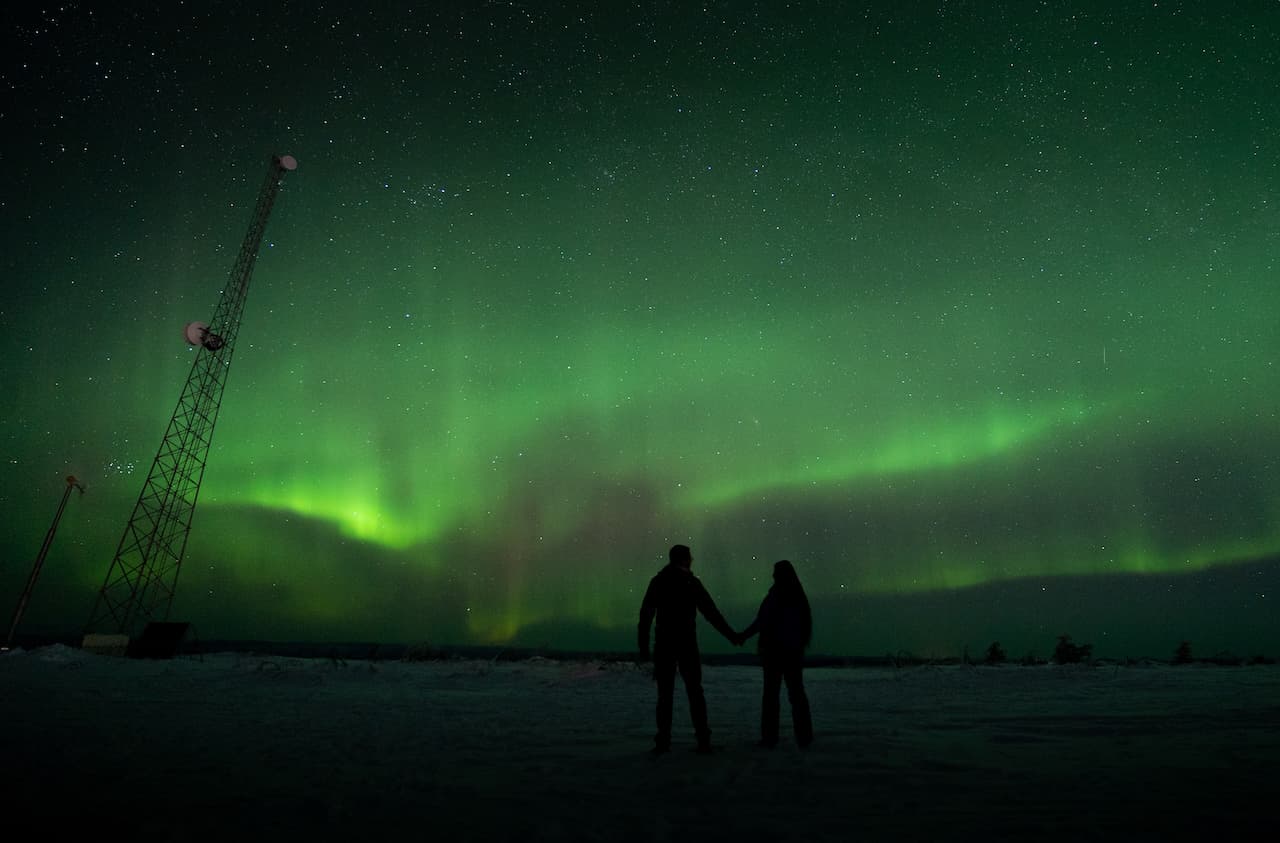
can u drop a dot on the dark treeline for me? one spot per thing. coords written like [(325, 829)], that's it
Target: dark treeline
[(1069, 653)]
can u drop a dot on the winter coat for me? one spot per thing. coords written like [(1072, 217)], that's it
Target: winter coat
[(675, 596), (785, 626)]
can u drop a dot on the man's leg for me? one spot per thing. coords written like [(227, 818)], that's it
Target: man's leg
[(691, 673), (664, 673)]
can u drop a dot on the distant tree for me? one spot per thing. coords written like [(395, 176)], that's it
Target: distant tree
[(903, 658), (995, 654), (1182, 655), (423, 652), (1068, 652)]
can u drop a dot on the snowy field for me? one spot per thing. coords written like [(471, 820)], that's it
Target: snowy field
[(250, 747)]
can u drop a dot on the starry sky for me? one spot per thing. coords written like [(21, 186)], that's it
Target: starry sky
[(968, 309)]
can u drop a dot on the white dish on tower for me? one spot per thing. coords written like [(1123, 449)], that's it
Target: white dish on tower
[(194, 332)]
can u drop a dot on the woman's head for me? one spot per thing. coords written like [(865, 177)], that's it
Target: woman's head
[(787, 590)]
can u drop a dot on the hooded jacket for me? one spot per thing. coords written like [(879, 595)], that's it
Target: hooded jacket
[(784, 623)]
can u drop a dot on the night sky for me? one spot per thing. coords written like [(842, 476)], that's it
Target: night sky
[(968, 309)]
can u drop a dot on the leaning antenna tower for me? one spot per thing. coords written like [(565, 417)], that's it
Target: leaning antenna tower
[(143, 576)]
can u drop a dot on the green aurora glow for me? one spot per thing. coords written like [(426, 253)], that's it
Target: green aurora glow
[(927, 299)]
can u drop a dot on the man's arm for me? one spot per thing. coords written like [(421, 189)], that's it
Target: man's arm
[(709, 611), (647, 608)]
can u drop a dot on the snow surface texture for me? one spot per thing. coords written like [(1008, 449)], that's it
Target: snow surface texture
[(251, 747)]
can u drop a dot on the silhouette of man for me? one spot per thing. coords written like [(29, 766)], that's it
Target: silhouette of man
[(675, 595)]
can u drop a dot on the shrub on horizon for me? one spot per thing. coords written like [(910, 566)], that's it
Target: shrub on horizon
[(423, 652), (1068, 652)]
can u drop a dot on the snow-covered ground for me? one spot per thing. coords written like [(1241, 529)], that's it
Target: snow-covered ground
[(251, 747)]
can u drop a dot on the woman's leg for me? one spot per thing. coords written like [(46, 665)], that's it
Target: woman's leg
[(769, 704), (801, 719)]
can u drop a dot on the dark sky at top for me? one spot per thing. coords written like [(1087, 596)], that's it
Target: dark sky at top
[(968, 309)]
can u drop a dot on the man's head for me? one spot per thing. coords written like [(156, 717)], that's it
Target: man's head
[(681, 555)]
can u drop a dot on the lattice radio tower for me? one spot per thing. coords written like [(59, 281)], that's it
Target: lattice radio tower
[(143, 576)]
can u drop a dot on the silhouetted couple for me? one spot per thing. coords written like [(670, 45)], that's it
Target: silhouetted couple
[(784, 623)]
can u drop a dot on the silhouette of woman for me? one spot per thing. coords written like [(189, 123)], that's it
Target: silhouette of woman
[(785, 624)]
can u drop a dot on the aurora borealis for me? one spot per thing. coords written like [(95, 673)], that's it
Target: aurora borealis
[(967, 309)]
